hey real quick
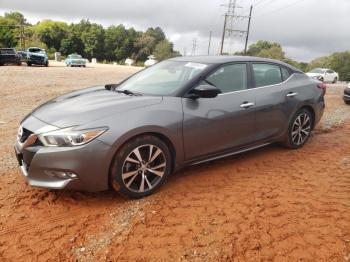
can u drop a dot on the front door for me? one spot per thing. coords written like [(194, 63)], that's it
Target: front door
[(213, 125)]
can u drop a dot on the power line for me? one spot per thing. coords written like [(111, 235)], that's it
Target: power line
[(281, 8)]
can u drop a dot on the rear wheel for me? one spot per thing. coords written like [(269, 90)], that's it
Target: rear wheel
[(140, 167), (47, 64), (299, 130), (29, 64), (335, 80)]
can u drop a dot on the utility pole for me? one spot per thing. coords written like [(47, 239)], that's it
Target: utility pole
[(223, 36), (185, 51), (209, 42), (194, 47), (248, 30)]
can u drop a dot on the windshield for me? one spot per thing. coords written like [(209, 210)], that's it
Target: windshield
[(75, 56), (163, 79), (317, 71), (36, 50)]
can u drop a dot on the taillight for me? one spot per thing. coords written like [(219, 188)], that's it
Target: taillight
[(323, 87)]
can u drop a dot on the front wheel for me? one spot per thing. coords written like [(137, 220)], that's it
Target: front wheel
[(335, 80), (140, 167), (299, 130)]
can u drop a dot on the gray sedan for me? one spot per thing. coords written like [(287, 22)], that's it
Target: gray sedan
[(131, 136)]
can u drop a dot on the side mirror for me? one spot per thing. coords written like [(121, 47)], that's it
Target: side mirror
[(205, 91)]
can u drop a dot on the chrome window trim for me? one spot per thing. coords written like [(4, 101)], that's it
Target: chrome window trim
[(254, 88)]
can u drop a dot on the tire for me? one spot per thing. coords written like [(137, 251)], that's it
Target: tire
[(299, 129), (29, 64), (335, 80), (47, 64), (135, 179), (347, 102), (322, 79)]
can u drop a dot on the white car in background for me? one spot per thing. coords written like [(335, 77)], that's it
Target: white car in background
[(324, 75)]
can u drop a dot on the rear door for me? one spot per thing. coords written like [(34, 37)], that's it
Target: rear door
[(213, 125), (277, 97)]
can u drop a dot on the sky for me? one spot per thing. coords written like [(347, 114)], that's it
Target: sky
[(306, 29)]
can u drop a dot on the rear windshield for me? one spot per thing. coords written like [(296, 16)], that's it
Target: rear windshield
[(317, 71), (8, 51)]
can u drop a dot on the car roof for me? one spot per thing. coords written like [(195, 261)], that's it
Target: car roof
[(228, 59)]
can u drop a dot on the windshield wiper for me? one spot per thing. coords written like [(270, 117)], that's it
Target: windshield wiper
[(127, 92)]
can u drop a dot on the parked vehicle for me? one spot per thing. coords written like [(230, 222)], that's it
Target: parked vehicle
[(37, 56), (347, 94), (179, 112), (9, 56), (23, 56), (75, 60), (324, 75)]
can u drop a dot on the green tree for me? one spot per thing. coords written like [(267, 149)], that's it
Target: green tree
[(72, 44), (51, 33), (8, 32), (145, 46), (164, 50), (17, 17), (157, 33), (266, 49), (93, 40)]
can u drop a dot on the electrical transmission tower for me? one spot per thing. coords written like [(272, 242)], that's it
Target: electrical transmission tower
[(230, 16), (194, 47)]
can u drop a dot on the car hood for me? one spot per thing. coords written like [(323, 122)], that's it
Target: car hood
[(88, 105)]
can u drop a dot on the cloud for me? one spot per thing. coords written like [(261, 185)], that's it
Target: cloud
[(306, 28)]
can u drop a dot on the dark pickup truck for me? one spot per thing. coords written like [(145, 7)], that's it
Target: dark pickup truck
[(9, 56)]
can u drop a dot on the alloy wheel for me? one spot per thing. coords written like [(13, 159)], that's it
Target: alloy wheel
[(301, 129), (144, 168)]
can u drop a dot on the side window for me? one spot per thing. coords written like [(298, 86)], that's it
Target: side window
[(330, 71), (285, 73), (267, 74), (230, 78)]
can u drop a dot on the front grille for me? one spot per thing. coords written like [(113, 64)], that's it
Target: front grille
[(25, 134), (39, 59)]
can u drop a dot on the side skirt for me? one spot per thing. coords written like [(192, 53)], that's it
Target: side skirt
[(227, 154)]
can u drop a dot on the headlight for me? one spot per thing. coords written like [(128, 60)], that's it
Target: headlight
[(69, 137)]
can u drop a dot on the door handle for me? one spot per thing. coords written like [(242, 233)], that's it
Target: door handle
[(247, 105), (291, 94)]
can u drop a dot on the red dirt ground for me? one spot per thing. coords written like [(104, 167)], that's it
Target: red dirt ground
[(270, 204)]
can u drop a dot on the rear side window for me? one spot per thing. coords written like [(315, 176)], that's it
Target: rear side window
[(285, 73), (267, 74), (230, 78)]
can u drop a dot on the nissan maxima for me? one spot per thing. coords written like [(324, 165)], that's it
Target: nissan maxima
[(184, 111)]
